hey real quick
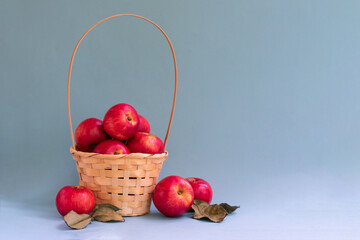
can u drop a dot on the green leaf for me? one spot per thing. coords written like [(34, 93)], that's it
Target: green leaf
[(228, 208), (77, 221), (107, 213)]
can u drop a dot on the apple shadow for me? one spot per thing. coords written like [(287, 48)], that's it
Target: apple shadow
[(63, 227), (157, 216)]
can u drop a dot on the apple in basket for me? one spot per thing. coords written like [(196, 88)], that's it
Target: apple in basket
[(173, 196), (77, 198), (89, 133), (202, 189), (144, 125), (143, 142), (121, 121), (111, 146)]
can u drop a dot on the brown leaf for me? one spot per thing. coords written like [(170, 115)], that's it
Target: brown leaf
[(199, 208), (228, 208), (107, 213), (214, 212), (115, 208), (77, 221)]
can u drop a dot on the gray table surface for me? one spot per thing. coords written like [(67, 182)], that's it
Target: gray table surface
[(332, 221)]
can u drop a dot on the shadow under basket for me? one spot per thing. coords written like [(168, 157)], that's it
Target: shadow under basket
[(126, 181)]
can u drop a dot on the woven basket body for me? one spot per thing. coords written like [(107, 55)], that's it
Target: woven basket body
[(126, 181)]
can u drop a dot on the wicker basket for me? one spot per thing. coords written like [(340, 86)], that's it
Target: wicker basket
[(126, 181)]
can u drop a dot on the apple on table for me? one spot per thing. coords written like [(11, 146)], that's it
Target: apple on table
[(173, 196), (77, 198), (202, 189)]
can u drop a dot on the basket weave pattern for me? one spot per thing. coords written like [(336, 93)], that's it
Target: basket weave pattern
[(125, 181)]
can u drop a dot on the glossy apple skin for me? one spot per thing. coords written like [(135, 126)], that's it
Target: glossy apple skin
[(145, 143), (89, 133), (121, 121), (202, 189), (144, 125), (173, 196), (77, 198), (111, 146)]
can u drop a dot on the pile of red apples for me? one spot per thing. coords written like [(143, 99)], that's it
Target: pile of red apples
[(123, 131)]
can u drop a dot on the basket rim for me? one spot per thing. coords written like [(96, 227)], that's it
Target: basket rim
[(73, 151)]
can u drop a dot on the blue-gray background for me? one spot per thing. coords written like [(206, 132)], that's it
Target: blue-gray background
[(268, 97)]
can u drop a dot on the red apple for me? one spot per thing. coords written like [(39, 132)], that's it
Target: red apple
[(121, 121), (202, 189), (77, 198), (89, 133), (173, 196), (111, 146), (145, 143), (144, 125)]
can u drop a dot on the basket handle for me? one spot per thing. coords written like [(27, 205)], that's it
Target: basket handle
[(72, 59)]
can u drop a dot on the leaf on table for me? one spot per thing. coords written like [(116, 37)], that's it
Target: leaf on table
[(228, 208), (199, 208), (214, 212), (107, 213), (77, 221)]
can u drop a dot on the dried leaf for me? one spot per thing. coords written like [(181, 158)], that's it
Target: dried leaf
[(107, 213), (199, 208), (115, 208), (214, 212), (77, 221), (229, 208)]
